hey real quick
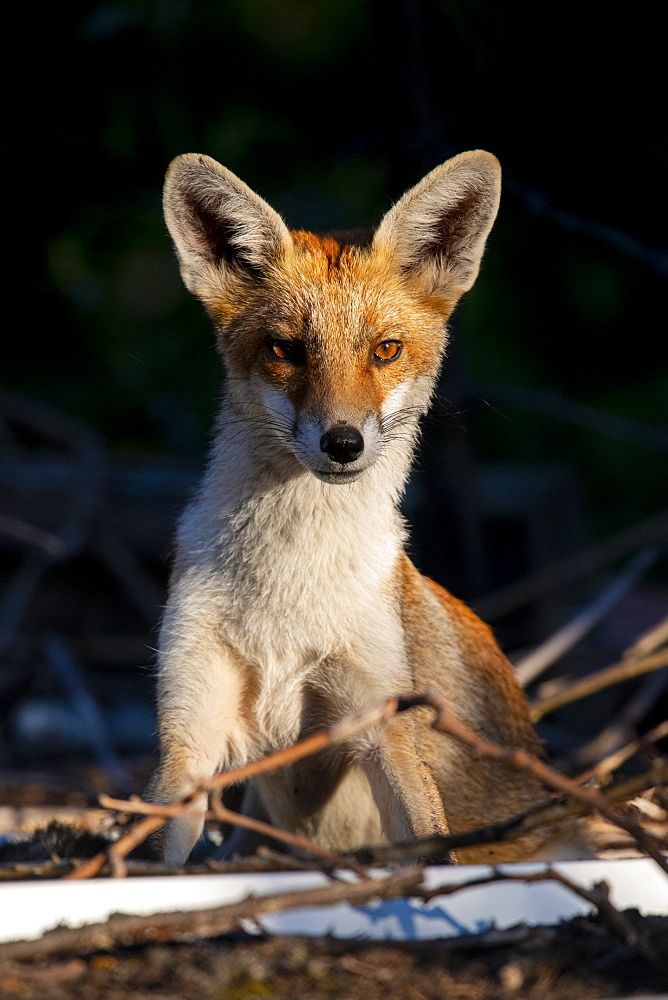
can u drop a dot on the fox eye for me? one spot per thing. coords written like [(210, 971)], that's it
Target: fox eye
[(388, 350), (286, 350)]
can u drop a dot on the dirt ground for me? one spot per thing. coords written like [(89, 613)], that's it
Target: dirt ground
[(578, 960)]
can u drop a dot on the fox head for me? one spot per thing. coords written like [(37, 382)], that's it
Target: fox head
[(333, 345)]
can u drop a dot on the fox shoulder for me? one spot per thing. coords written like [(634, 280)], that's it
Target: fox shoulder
[(459, 654)]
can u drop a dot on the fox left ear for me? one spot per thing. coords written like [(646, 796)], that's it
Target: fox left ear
[(219, 226), (436, 232)]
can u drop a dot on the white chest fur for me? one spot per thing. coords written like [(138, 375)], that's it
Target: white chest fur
[(296, 577)]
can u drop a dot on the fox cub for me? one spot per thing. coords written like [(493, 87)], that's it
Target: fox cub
[(292, 601)]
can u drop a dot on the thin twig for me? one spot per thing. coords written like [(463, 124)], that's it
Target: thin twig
[(549, 813), (139, 807), (117, 866), (550, 578), (651, 640), (31, 534), (622, 727), (643, 743), (125, 931), (341, 732), (305, 844), (122, 847), (447, 721), (531, 666), (622, 671)]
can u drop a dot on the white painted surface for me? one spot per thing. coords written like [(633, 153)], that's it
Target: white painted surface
[(27, 909)]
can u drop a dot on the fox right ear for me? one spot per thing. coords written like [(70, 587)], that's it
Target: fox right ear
[(218, 224), (436, 232)]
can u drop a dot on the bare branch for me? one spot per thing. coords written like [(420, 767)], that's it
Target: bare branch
[(30, 534), (549, 813), (546, 580), (622, 671), (447, 722), (340, 732), (531, 666), (656, 637), (305, 844), (599, 897), (546, 814), (137, 835), (605, 767), (141, 808), (125, 931)]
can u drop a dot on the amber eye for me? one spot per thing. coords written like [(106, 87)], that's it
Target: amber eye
[(388, 350), (286, 350)]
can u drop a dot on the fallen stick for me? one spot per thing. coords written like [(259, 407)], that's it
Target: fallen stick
[(338, 733), (598, 896), (122, 930), (559, 574), (622, 671), (533, 664), (447, 721), (609, 764), (547, 814)]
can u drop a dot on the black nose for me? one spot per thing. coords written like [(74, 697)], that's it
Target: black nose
[(343, 444)]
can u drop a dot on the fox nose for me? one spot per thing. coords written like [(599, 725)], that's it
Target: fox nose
[(343, 444)]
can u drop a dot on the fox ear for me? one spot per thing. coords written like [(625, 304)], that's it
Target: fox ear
[(436, 232), (217, 223)]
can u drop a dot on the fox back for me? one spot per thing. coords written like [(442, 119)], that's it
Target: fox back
[(292, 600)]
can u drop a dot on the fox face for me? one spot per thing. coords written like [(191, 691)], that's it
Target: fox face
[(332, 345), (334, 352)]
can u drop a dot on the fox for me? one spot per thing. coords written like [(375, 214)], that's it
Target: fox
[(292, 602)]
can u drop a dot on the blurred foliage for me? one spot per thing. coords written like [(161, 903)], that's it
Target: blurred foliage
[(330, 108)]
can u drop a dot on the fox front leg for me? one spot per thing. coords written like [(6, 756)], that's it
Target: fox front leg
[(403, 786), (200, 692)]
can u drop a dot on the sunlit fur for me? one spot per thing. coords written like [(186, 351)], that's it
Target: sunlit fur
[(292, 601)]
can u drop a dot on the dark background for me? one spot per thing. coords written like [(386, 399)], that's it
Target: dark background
[(550, 429), (330, 109)]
